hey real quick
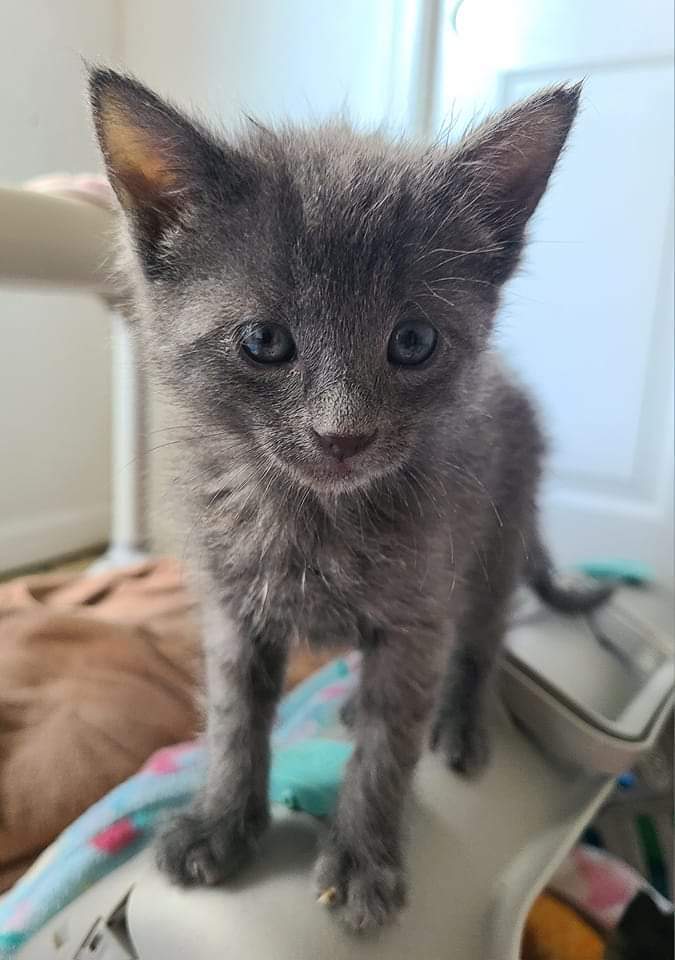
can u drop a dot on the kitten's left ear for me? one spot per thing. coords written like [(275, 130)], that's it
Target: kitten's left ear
[(160, 162), (506, 163)]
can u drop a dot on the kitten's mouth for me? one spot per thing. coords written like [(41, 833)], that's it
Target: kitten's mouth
[(330, 475), (338, 469), (331, 471), (334, 476)]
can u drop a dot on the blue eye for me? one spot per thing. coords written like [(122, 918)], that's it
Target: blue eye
[(268, 343), (411, 343)]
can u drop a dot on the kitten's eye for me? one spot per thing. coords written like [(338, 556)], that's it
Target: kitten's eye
[(411, 343), (268, 343)]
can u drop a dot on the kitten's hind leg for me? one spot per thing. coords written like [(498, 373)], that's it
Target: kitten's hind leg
[(348, 710), (459, 729), (216, 835)]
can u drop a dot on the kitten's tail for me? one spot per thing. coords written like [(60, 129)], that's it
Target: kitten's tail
[(542, 577)]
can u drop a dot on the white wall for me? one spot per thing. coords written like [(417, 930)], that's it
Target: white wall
[(298, 59), (54, 358)]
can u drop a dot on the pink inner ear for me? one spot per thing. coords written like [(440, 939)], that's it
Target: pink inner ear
[(138, 161), (515, 153)]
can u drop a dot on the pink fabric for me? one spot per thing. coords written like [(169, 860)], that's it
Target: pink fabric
[(91, 187), (164, 760), (115, 837), (600, 885)]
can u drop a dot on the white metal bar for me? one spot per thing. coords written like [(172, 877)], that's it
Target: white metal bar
[(128, 534), (55, 242)]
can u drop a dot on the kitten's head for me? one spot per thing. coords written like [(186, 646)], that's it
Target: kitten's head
[(321, 297)]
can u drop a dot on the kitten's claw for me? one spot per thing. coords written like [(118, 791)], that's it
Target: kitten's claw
[(328, 897), (365, 893)]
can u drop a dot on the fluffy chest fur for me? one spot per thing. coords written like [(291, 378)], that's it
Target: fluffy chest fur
[(327, 572)]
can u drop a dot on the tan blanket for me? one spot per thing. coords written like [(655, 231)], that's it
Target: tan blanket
[(96, 673)]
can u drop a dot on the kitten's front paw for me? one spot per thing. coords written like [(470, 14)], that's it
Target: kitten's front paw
[(465, 746), (366, 894), (199, 850)]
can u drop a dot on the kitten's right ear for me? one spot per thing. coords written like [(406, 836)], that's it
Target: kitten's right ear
[(505, 164), (159, 162)]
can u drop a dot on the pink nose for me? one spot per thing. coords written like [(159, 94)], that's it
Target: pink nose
[(344, 445)]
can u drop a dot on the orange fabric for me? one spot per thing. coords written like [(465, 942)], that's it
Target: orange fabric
[(555, 931)]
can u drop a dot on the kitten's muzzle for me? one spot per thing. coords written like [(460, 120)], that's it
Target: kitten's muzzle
[(342, 446)]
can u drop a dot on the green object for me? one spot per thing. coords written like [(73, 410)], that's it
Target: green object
[(630, 572), (307, 776), (653, 855)]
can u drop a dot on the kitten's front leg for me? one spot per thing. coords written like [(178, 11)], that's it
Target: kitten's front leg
[(216, 835), (360, 869)]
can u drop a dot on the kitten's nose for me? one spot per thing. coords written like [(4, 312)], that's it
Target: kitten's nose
[(344, 445)]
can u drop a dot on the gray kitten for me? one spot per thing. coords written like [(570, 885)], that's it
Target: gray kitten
[(320, 303)]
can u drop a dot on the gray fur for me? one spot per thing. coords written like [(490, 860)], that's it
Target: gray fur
[(413, 553)]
